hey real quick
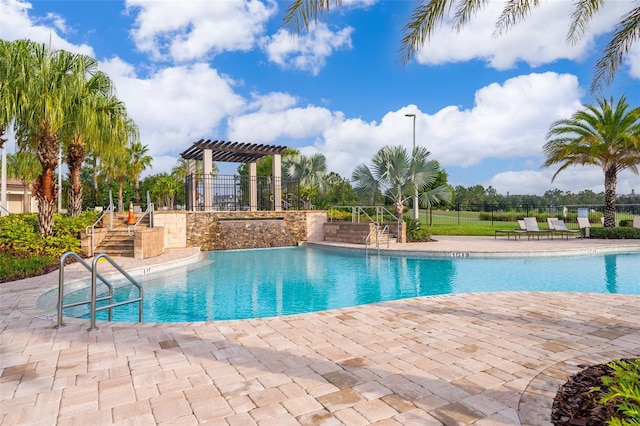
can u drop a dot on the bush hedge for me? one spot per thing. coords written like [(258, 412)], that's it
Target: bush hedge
[(619, 233)]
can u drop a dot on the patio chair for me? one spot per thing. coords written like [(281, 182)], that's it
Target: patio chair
[(583, 223), (560, 227), (509, 232), (636, 221), (531, 225)]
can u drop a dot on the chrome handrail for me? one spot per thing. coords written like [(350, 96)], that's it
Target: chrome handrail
[(60, 304), (149, 210), (2, 209), (94, 274)]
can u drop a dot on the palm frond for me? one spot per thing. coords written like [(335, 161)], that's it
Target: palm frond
[(626, 33), (582, 14), (514, 12), (424, 20), (301, 13)]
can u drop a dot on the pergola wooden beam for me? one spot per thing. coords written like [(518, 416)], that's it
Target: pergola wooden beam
[(231, 152)]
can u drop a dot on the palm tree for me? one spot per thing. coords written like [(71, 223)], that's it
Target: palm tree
[(607, 136), (395, 174), (309, 171), (430, 14), (93, 112), (24, 166), (139, 162)]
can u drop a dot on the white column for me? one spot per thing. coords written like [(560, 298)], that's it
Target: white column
[(207, 180), (277, 182), (191, 170), (253, 186)]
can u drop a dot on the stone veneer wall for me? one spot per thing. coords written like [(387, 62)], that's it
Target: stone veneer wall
[(250, 229)]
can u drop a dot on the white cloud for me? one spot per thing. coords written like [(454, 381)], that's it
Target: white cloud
[(539, 39), (308, 51), (190, 30), (269, 126), (175, 106), (507, 121), (16, 23)]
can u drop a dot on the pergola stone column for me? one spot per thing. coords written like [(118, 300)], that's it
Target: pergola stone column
[(192, 167), (235, 152), (277, 182)]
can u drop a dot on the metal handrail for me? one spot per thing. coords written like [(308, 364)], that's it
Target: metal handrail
[(149, 210), (94, 274), (60, 304), (89, 230), (94, 297), (2, 209), (379, 234)]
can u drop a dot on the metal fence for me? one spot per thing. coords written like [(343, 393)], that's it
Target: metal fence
[(462, 214), (231, 193)]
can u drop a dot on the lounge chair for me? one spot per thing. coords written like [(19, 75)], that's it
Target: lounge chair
[(531, 225), (509, 232), (636, 221), (560, 227), (583, 223)]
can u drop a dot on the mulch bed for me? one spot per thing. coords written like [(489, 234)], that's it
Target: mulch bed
[(577, 404)]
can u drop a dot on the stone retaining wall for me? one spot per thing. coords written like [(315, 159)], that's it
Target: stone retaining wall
[(239, 229)]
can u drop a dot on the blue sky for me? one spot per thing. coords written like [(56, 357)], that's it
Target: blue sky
[(229, 70)]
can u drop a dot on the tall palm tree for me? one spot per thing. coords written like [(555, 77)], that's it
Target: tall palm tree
[(116, 166), (139, 162), (430, 14), (396, 174), (607, 136), (24, 166), (92, 111)]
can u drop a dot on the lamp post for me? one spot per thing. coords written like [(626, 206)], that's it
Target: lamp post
[(413, 153)]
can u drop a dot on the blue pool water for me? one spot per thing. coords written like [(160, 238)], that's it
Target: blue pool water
[(272, 282)]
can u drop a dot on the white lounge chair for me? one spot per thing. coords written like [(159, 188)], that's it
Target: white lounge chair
[(531, 225), (560, 227), (583, 223), (636, 221)]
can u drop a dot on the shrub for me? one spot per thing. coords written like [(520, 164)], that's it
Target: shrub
[(624, 389), (626, 222), (619, 233), (333, 214), (415, 231)]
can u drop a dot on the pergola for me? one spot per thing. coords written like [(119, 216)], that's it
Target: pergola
[(236, 152)]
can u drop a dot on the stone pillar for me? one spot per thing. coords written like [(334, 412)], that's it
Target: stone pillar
[(207, 180), (193, 202), (277, 182), (253, 186)]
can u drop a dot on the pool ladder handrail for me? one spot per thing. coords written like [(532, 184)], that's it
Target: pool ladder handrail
[(94, 298), (379, 233)]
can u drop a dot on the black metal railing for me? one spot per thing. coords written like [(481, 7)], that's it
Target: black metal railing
[(461, 214), (232, 193)]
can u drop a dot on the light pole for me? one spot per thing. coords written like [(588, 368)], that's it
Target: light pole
[(413, 154)]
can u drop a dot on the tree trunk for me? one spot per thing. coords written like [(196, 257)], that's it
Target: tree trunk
[(137, 189), (26, 208), (120, 201), (610, 182), (95, 182), (75, 158), (45, 187), (399, 208)]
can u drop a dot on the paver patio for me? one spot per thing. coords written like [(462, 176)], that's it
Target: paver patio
[(482, 358)]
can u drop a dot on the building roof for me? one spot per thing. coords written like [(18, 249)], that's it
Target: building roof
[(231, 152)]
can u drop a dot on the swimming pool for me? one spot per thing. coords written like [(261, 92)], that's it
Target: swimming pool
[(272, 282)]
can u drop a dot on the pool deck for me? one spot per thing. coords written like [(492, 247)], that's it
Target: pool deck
[(479, 358)]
